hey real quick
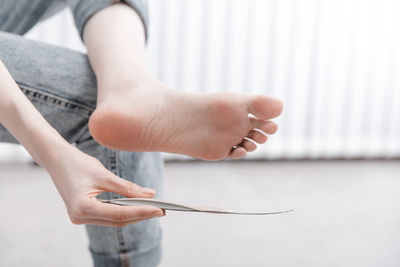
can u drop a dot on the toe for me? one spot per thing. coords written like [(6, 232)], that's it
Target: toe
[(249, 144), (238, 152), (268, 127), (265, 107), (257, 136)]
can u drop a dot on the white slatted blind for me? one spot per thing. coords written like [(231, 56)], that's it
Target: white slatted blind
[(334, 63)]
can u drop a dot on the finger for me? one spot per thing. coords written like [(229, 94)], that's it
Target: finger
[(237, 152), (257, 136), (268, 127), (249, 144), (95, 209), (124, 187), (107, 223)]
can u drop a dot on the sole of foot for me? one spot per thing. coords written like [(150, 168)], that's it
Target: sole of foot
[(205, 126)]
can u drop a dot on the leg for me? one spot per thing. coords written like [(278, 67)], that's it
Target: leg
[(136, 112), (20, 16), (62, 86)]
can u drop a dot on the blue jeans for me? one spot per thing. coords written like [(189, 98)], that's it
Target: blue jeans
[(62, 86)]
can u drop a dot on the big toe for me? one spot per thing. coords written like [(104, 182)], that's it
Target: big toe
[(265, 107)]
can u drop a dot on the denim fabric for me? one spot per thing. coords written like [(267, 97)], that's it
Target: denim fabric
[(19, 16), (62, 86), (83, 9)]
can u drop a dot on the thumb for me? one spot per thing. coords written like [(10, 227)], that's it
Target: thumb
[(125, 188)]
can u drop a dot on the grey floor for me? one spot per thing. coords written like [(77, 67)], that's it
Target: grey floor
[(346, 214)]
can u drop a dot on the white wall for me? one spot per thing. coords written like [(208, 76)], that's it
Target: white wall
[(334, 63)]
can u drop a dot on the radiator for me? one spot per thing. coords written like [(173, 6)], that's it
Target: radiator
[(335, 65)]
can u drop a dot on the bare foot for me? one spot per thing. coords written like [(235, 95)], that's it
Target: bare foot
[(151, 117)]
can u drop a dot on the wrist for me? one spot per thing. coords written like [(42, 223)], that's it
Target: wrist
[(55, 153)]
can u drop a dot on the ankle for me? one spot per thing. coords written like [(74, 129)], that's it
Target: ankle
[(108, 89)]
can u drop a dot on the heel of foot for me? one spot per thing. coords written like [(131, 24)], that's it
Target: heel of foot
[(104, 128)]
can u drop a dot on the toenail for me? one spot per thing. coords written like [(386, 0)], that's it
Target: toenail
[(273, 127)]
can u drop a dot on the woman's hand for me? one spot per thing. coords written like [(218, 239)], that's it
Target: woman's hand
[(79, 178)]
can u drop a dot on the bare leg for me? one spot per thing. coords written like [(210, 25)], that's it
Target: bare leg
[(136, 112)]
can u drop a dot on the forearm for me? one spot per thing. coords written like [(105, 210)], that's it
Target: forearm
[(78, 177), (25, 123), (115, 40)]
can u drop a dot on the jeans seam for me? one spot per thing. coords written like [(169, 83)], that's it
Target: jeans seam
[(56, 100), (113, 165)]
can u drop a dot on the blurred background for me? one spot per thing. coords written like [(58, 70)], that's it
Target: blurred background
[(334, 160)]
